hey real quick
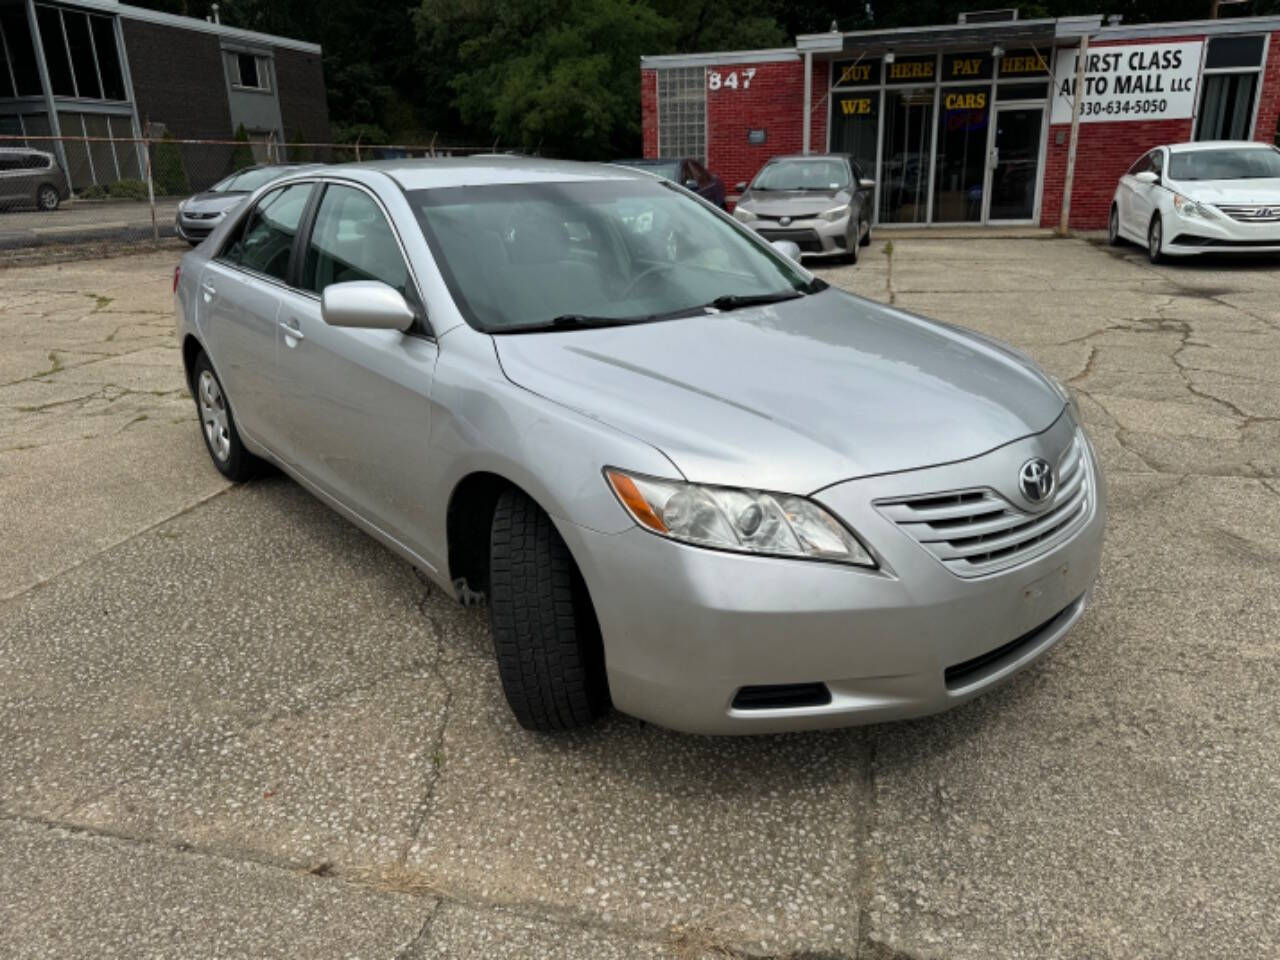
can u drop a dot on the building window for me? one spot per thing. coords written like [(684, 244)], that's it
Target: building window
[(1229, 88), (80, 52), (19, 53), (251, 71), (682, 112)]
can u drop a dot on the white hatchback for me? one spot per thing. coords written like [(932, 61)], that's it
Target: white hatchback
[(1189, 198)]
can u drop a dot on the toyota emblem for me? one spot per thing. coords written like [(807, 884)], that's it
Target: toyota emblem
[(1035, 479), (784, 220)]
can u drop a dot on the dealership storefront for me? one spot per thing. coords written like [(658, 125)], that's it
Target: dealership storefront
[(971, 123)]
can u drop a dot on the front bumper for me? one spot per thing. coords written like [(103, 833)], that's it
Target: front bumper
[(1220, 234), (814, 236), (194, 229), (685, 629)]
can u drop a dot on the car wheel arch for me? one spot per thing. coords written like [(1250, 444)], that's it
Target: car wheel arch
[(468, 518), (192, 348)]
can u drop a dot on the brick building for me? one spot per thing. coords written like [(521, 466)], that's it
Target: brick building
[(97, 68), (971, 122)]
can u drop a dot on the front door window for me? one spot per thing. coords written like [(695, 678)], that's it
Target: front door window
[(1016, 163)]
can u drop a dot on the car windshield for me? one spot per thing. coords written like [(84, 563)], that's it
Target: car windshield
[(249, 180), (803, 175), (549, 255), (1227, 164)]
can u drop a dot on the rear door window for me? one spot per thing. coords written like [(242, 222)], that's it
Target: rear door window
[(352, 240), (265, 242)]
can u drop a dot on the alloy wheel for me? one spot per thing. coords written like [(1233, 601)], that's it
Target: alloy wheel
[(48, 198), (213, 416)]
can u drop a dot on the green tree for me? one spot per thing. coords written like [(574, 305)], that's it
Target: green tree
[(563, 75), (241, 153), (168, 172)]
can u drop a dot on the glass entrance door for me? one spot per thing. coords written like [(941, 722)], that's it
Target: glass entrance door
[(904, 155), (1015, 163)]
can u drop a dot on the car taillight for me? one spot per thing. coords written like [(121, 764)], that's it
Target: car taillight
[(177, 274)]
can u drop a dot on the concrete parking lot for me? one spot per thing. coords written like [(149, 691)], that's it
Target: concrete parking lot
[(85, 221), (231, 725)]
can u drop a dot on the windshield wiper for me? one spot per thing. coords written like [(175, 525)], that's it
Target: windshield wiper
[(732, 301), (569, 321)]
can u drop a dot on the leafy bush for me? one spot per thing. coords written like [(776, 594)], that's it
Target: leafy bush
[(127, 190), (92, 192), (242, 153), (168, 170)]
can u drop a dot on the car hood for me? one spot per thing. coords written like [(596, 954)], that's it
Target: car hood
[(792, 203), (1261, 190), (793, 396), (210, 202)]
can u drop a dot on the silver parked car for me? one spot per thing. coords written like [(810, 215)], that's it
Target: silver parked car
[(712, 491), (31, 178), (822, 204), (199, 214)]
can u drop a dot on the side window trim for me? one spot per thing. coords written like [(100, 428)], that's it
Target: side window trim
[(422, 325), (293, 275), (243, 225)]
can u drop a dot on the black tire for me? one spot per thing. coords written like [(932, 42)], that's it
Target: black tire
[(866, 237), (221, 438), (545, 634), (851, 257), (1155, 236), (1113, 228), (47, 197)]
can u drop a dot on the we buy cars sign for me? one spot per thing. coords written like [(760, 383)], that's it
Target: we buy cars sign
[(1145, 81)]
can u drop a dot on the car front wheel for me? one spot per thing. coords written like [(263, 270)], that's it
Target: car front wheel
[(1155, 240), (1113, 227), (218, 426), (545, 634), (47, 197)]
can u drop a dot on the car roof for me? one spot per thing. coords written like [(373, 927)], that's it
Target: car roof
[(426, 174), (25, 150), (1218, 145), (809, 156)]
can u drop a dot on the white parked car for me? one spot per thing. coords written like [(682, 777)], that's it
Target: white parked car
[(1188, 198)]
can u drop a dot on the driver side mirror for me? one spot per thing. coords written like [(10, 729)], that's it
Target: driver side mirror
[(1147, 176), (691, 184), (366, 305), (866, 183)]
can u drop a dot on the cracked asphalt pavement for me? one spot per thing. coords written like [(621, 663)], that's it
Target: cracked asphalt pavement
[(231, 725)]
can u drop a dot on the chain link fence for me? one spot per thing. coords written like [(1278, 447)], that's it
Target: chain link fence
[(108, 190)]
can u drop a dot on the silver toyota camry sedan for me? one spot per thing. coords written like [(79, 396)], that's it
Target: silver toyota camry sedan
[(710, 491)]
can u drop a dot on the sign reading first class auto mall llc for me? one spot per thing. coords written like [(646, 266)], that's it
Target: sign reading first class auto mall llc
[(1147, 81)]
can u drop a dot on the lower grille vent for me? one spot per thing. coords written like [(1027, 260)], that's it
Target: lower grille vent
[(779, 696)]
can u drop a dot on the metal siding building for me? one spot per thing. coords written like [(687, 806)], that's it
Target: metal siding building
[(96, 68)]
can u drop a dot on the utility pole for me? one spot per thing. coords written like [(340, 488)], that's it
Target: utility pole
[(1065, 218)]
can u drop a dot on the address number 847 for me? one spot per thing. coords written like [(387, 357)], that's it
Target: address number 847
[(716, 79)]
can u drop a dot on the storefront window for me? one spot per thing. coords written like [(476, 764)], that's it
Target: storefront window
[(1227, 98), (904, 165), (855, 124), (963, 124)]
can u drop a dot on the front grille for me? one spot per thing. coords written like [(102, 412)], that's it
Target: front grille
[(977, 532), (1251, 212), (791, 217), (964, 674), (776, 696), (806, 240), (200, 216)]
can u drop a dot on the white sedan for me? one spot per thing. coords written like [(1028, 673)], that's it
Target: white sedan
[(1188, 198)]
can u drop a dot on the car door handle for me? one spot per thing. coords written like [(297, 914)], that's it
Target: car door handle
[(209, 291), (290, 329)]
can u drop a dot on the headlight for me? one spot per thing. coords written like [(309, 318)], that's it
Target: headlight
[(745, 521), (742, 213), (1189, 208), (835, 213)]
